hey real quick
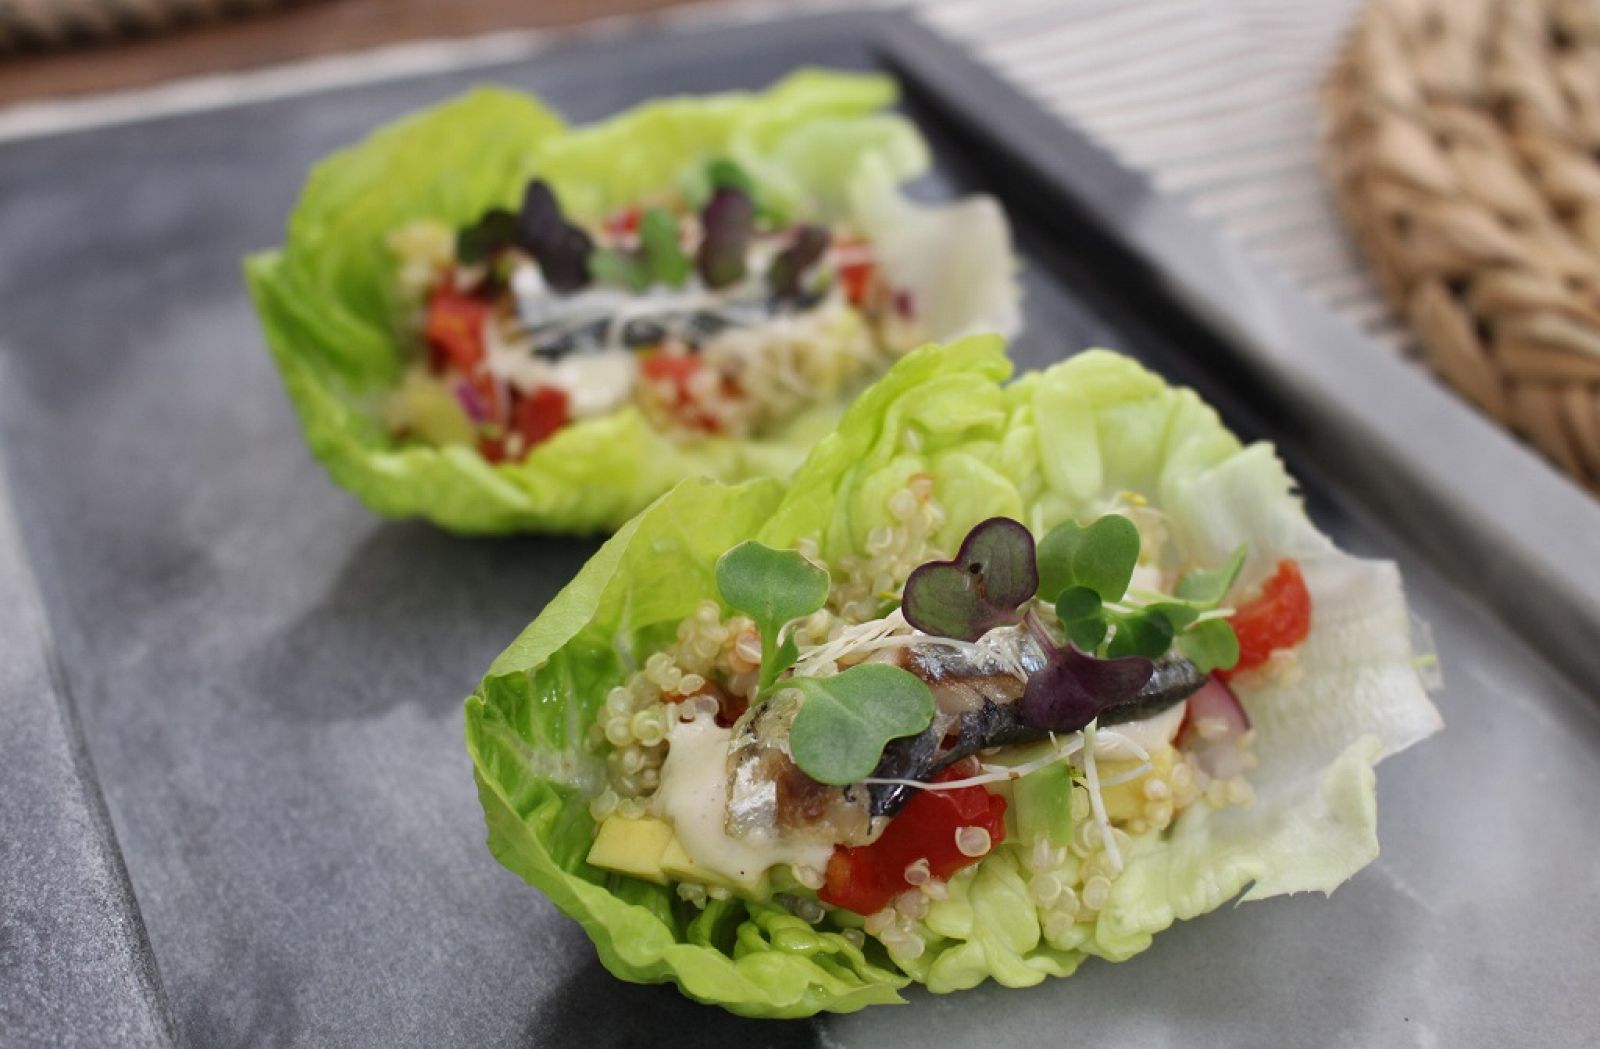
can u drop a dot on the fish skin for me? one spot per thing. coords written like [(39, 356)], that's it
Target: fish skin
[(994, 724)]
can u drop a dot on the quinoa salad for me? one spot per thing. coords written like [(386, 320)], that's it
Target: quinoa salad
[(501, 322), (979, 694), (1023, 745), (712, 317)]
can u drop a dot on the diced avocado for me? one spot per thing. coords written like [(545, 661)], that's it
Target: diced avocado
[(633, 847), (678, 864), (1126, 801), (1043, 800), (427, 408)]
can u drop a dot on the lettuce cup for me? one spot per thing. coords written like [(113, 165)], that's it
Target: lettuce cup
[(502, 323), (1010, 675)]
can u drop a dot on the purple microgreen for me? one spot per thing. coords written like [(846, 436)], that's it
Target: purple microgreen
[(992, 575), (789, 266), (848, 718), (727, 222), (561, 249), (1074, 688)]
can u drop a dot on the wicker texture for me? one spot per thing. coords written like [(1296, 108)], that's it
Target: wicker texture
[(1464, 148), (34, 24)]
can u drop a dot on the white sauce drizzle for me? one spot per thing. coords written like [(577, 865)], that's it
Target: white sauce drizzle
[(693, 796)]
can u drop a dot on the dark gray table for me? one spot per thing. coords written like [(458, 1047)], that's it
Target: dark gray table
[(268, 680)]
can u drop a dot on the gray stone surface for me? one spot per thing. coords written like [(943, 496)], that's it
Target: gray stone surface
[(269, 679), (75, 967)]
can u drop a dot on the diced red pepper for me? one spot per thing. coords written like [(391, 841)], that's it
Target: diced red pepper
[(856, 279), (492, 449), (455, 329), (866, 878), (1279, 618), (676, 368), (538, 415), (679, 369), (622, 223)]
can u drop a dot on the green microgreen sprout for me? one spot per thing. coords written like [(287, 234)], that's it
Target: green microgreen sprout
[(723, 173), (774, 588), (660, 258), (614, 266), (1100, 557), (847, 719), (664, 258), (1090, 568)]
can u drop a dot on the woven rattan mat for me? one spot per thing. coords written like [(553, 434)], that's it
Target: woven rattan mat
[(43, 24), (1464, 146)]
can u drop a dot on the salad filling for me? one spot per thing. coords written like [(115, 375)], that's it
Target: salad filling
[(708, 310), (1007, 676), (849, 740)]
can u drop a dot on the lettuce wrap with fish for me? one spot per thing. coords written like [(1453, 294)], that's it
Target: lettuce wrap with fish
[(500, 322), (1008, 676)]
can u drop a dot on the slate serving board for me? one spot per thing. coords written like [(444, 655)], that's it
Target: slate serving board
[(235, 808)]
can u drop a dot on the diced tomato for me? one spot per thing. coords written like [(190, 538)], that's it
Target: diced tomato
[(676, 368), (679, 369), (622, 223), (856, 279), (538, 415), (492, 448), (1279, 618), (455, 328), (866, 878)]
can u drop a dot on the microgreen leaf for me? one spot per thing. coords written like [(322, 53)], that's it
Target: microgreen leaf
[(992, 575), (496, 229), (561, 249), (791, 264), (847, 719), (1081, 615), (1211, 645), (664, 259), (1100, 557), (723, 173), (610, 266), (1077, 602), (1207, 588), (1087, 633), (772, 587), (727, 220), (1144, 633), (1177, 613), (1073, 688)]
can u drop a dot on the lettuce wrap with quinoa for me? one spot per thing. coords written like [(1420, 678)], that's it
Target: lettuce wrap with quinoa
[(1010, 675), (491, 319)]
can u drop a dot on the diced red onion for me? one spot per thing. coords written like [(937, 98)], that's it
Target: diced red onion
[(471, 401)]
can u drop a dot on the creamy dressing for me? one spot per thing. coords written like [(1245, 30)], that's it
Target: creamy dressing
[(595, 383), (1151, 733), (693, 796)]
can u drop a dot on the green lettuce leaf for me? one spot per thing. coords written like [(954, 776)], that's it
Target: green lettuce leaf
[(524, 728), (1061, 443), (329, 309)]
